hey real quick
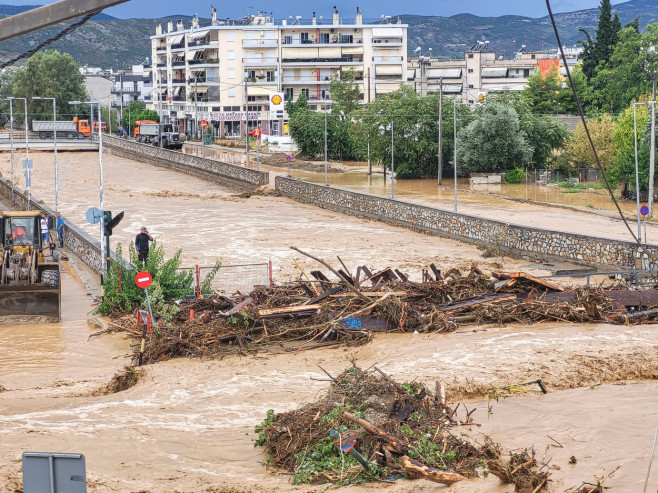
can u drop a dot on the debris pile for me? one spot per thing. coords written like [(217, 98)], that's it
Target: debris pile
[(368, 427), (319, 312)]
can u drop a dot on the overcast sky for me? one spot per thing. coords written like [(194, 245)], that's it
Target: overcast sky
[(371, 9)]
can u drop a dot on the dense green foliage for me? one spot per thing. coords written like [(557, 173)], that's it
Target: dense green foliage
[(121, 294), (49, 74), (136, 111), (493, 141)]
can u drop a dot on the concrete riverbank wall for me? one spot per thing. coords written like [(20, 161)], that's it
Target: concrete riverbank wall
[(523, 241), (229, 175)]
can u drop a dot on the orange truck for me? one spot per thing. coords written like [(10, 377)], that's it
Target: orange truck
[(71, 130), (137, 124), (103, 126)]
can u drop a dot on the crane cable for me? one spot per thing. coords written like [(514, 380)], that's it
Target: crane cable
[(45, 43), (584, 121)]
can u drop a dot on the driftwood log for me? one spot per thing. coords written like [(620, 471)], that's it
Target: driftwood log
[(397, 445), (415, 469)]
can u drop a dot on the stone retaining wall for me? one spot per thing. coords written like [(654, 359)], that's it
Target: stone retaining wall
[(532, 243), (223, 173), (75, 239)]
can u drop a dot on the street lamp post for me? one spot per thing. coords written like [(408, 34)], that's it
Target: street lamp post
[(637, 174), (326, 177), (27, 155), (11, 143), (55, 144), (454, 130), (392, 166), (104, 254)]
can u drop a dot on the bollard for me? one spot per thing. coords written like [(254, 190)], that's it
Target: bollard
[(191, 313), (198, 286), (139, 317), (148, 324)]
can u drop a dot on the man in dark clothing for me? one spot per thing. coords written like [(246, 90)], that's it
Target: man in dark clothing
[(142, 244)]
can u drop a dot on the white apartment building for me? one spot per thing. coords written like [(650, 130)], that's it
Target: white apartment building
[(227, 73), (480, 72)]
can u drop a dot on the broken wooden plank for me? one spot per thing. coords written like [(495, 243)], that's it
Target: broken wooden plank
[(372, 294), (319, 276), (347, 277), (357, 276), (500, 276), (536, 280), (474, 301), (437, 272), (237, 307), (476, 270), (326, 294), (402, 275), (366, 271), (349, 274), (504, 283), (284, 311), (386, 274)]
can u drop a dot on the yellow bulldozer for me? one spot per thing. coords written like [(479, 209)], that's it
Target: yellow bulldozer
[(29, 274)]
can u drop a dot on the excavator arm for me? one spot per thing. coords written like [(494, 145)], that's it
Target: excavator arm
[(49, 15)]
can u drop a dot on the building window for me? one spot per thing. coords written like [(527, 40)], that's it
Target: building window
[(470, 70), (230, 36), (231, 92), (470, 55), (271, 76), (470, 86), (304, 38), (289, 93), (230, 55), (253, 108), (346, 38), (231, 73), (287, 40), (231, 108), (470, 101), (526, 72), (251, 75), (324, 38), (305, 91), (532, 56)]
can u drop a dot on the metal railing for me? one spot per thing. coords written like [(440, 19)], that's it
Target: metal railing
[(228, 279)]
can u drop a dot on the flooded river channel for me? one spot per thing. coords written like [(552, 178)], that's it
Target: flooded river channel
[(188, 425)]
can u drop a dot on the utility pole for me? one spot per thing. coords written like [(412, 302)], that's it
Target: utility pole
[(246, 120), (440, 156), (11, 140)]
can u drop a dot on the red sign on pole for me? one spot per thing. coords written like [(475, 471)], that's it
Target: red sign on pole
[(143, 279), (204, 123)]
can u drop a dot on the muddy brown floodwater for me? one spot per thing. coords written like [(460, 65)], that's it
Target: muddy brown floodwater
[(188, 425)]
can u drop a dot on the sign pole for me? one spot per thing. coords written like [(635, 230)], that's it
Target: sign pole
[(143, 280)]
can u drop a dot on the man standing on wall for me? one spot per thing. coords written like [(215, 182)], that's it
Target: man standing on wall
[(59, 226), (142, 244)]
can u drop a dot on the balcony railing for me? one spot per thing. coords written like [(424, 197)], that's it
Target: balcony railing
[(321, 60), (319, 41), (265, 43), (260, 61)]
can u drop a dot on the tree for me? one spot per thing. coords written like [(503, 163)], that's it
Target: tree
[(345, 95), (493, 141), (622, 169), (623, 78), (543, 91), (54, 75), (414, 121), (579, 149), (137, 111), (598, 51)]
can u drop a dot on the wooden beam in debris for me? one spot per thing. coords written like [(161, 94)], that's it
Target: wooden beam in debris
[(536, 280), (237, 307), (437, 272), (371, 294), (466, 303), (347, 277), (288, 311), (326, 294), (402, 275), (385, 274), (319, 276)]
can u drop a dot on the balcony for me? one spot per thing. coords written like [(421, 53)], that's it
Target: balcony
[(203, 62), (318, 43), (387, 43), (260, 62), (260, 43), (322, 62), (264, 81)]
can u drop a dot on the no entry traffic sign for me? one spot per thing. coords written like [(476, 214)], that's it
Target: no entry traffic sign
[(143, 279)]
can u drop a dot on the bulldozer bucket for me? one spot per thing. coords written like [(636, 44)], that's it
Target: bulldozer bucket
[(30, 303)]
